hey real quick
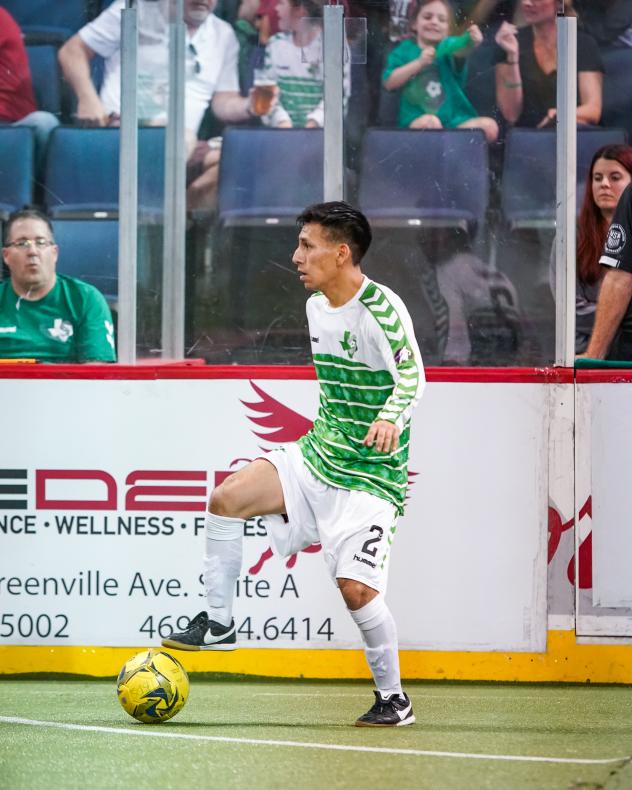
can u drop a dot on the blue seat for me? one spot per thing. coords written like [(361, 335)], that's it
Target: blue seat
[(268, 176), (46, 76), (431, 178), (82, 173), (88, 250), (617, 88), (16, 168), (46, 22), (529, 173)]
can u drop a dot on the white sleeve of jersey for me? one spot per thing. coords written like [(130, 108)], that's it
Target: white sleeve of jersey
[(405, 365)]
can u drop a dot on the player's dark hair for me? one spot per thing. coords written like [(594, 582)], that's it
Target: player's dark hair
[(25, 213), (592, 226), (343, 223)]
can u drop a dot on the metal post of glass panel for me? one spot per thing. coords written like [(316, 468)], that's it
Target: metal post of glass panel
[(333, 57), (173, 265), (128, 187), (566, 187)]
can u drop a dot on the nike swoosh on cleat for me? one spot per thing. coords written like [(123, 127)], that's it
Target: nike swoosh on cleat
[(209, 639), (403, 713)]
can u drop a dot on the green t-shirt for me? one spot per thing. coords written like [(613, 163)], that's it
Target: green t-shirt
[(72, 323), (436, 90)]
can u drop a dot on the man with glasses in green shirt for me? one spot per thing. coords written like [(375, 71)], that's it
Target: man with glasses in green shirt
[(44, 315)]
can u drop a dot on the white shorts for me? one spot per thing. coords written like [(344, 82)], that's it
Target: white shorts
[(355, 528)]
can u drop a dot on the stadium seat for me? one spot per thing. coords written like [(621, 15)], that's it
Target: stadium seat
[(529, 173), (82, 173), (88, 250), (268, 176), (617, 84), (46, 22), (431, 178), (46, 77), (16, 168)]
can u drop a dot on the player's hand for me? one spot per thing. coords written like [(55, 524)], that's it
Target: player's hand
[(506, 38), (476, 37), (427, 57), (383, 436)]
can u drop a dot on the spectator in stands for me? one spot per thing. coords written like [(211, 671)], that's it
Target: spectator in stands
[(476, 313), (294, 61), (45, 315), (211, 76), (610, 173), (609, 22), (247, 31), (526, 66), (430, 70), (17, 101), (269, 18)]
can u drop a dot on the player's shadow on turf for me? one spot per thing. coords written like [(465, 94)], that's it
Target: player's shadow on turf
[(247, 725)]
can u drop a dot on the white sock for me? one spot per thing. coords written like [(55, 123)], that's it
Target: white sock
[(222, 565), (379, 634)]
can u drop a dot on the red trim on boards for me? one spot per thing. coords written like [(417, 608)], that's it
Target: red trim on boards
[(604, 376), (196, 369)]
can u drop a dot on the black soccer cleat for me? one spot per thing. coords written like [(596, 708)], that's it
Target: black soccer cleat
[(392, 711), (204, 634)]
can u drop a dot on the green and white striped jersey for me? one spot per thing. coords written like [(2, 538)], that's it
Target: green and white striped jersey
[(369, 368), (298, 71)]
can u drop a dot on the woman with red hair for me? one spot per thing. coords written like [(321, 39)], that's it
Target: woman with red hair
[(609, 174)]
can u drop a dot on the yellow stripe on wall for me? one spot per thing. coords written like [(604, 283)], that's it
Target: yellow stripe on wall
[(564, 661)]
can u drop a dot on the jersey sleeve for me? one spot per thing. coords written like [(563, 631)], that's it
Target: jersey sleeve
[(396, 340), (401, 55), (588, 54), (617, 251), (103, 35), (228, 79), (95, 335)]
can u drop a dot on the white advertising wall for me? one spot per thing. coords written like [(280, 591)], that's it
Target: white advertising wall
[(103, 489), (604, 538)]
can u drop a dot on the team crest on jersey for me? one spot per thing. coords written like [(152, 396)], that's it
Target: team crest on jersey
[(349, 344), (61, 330), (616, 239), (403, 354)]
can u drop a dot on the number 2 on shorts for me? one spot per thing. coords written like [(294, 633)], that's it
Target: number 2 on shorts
[(368, 548)]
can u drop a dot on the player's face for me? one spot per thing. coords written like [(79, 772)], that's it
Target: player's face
[(32, 267), (538, 10), (317, 258), (433, 23), (609, 179)]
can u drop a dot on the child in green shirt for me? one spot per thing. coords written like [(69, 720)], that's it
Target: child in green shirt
[(431, 72)]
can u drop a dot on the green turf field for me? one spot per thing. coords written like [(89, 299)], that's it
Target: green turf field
[(249, 734)]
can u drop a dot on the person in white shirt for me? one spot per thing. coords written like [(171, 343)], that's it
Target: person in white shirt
[(211, 76)]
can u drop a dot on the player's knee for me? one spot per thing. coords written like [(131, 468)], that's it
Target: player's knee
[(355, 594), (225, 498)]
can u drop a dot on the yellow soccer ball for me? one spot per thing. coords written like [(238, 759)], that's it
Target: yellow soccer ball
[(152, 686)]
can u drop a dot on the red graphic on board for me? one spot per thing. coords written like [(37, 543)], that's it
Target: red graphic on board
[(288, 424), (556, 528)]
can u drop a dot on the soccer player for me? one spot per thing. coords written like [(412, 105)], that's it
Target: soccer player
[(344, 482)]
